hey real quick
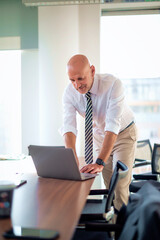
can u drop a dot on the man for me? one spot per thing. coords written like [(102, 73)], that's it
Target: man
[(114, 130)]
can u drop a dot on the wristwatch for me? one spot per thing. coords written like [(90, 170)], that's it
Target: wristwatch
[(100, 162)]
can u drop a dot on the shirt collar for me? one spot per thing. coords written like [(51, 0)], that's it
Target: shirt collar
[(94, 88)]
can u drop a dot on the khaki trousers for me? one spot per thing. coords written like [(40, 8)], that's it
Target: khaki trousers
[(123, 150)]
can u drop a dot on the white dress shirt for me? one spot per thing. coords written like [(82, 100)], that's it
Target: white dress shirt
[(110, 111)]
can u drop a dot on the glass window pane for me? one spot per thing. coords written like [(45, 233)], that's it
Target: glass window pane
[(130, 50), (10, 102)]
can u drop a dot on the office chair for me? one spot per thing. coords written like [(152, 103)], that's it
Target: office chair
[(143, 153), (138, 220), (154, 175), (119, 172)]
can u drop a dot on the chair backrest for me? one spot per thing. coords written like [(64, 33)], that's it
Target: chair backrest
[(143, 150), (156, 159), (119, 172)]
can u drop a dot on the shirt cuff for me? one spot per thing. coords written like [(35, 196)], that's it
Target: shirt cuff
[(111, 127), (66, 129)]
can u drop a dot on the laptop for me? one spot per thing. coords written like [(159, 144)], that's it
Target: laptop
[(56, 162)]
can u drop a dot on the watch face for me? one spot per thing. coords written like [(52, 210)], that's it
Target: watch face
[(100, 162)]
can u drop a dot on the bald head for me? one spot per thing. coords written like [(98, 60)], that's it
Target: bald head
[(80, 73), (78, 60)]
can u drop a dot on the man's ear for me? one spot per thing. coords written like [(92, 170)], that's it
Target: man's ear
[(92, 70)]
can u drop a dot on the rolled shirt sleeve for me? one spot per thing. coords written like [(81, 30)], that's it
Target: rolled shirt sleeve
[(115, 108)]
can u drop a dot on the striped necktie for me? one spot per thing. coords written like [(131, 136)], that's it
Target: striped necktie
[(89, 130)]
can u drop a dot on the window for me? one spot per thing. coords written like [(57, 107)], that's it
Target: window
[(10, 102), (130, 50)]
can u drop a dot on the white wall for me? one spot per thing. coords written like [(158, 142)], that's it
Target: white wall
[(63, 32)]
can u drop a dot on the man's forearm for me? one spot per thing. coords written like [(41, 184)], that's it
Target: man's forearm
[(70, 142), (107, 146), (105, 152)]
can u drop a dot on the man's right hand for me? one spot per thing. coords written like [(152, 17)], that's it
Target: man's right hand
[(70, 142)]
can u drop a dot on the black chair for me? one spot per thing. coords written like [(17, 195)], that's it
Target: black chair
[(154, 175), (143, 153), (119, 172), (140, 219)]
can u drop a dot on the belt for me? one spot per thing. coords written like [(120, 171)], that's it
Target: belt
[(127, 126)]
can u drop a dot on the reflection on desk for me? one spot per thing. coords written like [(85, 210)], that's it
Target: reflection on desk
[(49, 204)]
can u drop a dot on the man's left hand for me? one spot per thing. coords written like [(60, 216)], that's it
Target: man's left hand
[(92, 168)]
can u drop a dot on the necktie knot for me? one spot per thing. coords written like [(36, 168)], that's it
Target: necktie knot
[(88, 95)]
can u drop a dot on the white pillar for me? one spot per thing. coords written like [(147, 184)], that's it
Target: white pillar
[(58, 40), (89, 45), (89, 33)]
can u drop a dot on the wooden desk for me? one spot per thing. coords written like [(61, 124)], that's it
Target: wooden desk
[(49, 204)]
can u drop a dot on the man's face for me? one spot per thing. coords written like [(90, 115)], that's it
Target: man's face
[(81, 77)]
